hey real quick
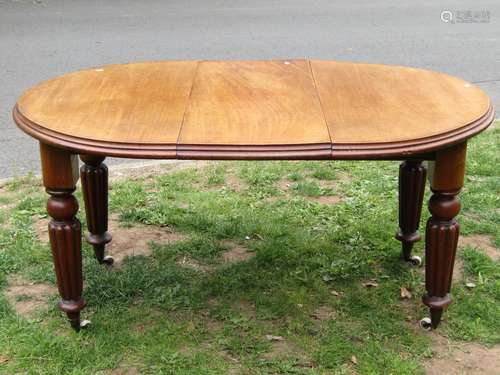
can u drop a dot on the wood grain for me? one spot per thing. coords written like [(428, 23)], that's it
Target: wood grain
[(65, 175), (295, 109), (138, 103), (368, 103), (254, 103), (447, 171)]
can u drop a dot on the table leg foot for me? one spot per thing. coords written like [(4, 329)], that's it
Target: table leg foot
[(412, 174), (99, 245), (442, 230), (60, 174), (74, 321), (435, 317), (65, 240), (94, 175), (432, 322), (440, 248)]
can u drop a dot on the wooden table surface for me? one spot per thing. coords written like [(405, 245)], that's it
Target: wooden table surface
[(253, 109)]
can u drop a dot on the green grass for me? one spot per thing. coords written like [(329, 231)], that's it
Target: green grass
[(158, 317)]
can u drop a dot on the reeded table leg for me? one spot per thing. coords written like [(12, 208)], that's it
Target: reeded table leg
[(94, 175), (446, 176), (60, 174), (411, 194)]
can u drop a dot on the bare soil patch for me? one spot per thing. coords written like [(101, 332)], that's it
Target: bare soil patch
[(41, 228), (284, 349), (228, 356), (343, 177), (462, 358), (7, 206), (28, 298), (212, 325), (149, 170), (235, 183), (472, 216), (458, 271), (188, 262), (236, 253), (232, 182), (323, 313), (124, 371), (246, 308), (284, 184), (328, 184), (183, 205), (482, 242), (135, 240)]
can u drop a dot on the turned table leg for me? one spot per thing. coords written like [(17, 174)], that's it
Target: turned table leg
[(60, 174), (446, 177), (94, 175), (411, 194)]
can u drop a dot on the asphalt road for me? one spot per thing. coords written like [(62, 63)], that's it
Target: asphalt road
[(40, 39)]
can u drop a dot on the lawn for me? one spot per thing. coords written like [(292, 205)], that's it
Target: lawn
[(253, 268)]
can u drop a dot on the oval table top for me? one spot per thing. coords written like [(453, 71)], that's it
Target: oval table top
[(286, 109)]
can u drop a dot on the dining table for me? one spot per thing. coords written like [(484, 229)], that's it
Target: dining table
[(296, 109)]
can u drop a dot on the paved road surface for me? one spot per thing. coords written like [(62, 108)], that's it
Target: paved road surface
[(40, 39)]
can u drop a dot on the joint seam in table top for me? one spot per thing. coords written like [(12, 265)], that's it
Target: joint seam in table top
[(319, 100), (187, 102)]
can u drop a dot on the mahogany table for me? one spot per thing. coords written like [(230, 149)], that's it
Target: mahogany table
[(254, 110)]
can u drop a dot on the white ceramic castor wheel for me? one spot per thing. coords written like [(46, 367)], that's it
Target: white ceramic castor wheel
[(84, 324), (426, 324), (415, 260), (108, 260)]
